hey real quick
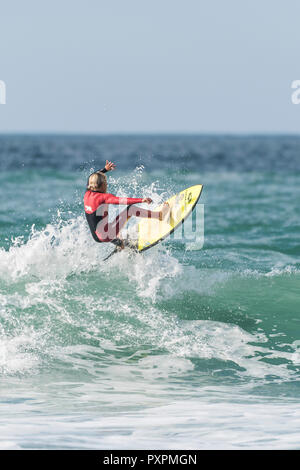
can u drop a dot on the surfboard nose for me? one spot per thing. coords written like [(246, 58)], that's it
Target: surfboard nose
[(152, 231)]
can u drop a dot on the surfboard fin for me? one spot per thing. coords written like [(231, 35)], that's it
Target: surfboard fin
[(116, 250), (131, 244)]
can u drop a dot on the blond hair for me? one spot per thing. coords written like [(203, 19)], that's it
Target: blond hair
[(96, 180)]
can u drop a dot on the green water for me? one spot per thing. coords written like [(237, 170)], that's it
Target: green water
[(183, 346)]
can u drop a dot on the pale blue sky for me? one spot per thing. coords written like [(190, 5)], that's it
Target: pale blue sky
[(149, 66)]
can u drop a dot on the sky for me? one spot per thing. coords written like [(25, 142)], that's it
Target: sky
[(156, 66)]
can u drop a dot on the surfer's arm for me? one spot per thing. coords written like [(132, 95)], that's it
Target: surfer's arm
[(111, 199), (109, 166), (103, 170)]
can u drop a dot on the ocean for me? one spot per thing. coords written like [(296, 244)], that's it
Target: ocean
[(175, 348)]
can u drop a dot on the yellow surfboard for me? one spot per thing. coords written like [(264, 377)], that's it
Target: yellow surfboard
[(152, 231)]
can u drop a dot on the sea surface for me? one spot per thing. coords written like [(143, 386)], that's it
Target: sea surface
[(182, 347)]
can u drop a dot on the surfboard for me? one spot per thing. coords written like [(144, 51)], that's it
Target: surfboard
[(153, 231), (150, 232)]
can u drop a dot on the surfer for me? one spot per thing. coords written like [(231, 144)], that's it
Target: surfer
[(96, 201)]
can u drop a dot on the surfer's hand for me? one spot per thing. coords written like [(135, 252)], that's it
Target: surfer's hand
[(109, 166), (148, 200)]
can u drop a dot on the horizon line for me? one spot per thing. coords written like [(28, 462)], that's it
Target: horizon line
[(150, 133)]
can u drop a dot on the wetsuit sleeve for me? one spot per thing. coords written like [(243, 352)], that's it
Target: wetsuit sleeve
[(111, 199), (104, 170)]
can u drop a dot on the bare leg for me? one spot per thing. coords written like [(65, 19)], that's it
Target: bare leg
[(132, 211), (110, 231)]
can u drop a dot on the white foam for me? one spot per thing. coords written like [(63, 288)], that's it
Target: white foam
[(54, 252), (16, 355), (205, 422), (282, 270)]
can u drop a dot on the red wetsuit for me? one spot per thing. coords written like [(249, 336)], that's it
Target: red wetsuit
[(96, 209), (96, 212)]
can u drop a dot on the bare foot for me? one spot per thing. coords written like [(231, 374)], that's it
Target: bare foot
[(119, 243), (164, 211)]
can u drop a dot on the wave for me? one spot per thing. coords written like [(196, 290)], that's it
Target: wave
[(60, 304)]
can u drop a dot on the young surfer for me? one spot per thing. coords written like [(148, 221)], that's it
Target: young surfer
[(97, 200)]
